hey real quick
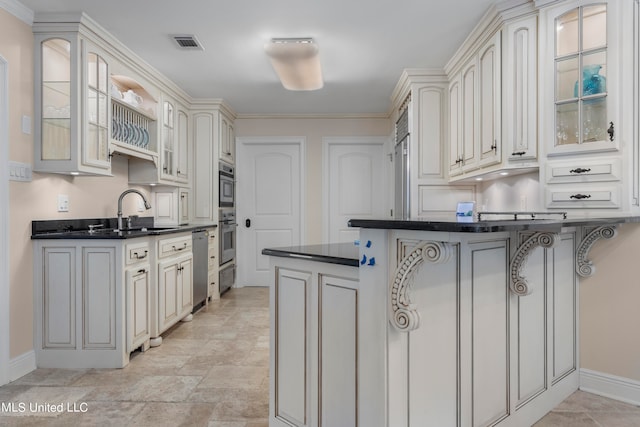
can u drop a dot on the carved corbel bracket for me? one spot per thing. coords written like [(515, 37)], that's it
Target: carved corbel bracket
[(519, 285), (404, 315), (584, 267)]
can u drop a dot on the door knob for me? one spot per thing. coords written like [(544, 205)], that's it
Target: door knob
[(247, 223)]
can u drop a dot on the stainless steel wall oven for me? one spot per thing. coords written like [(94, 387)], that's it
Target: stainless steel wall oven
[(227, 229), (226, 195)]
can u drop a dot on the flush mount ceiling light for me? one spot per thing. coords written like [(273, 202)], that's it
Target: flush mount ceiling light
[(296, 62)]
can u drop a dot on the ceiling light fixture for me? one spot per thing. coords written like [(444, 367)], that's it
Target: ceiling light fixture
[(296, 62)]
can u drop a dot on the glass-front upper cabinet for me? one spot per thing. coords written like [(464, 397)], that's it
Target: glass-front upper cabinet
[(168, 137), (72, 106), (584, 83)]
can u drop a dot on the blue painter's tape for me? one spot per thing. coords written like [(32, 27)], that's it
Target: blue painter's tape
[(372, 261), (368, 243), (364, 260)]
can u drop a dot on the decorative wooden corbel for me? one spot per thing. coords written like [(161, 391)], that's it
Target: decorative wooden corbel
[(404, 315), (518, 284), (584, 267)]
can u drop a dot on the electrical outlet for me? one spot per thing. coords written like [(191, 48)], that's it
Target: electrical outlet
[(63, 203), (141, 207), (523, 203)]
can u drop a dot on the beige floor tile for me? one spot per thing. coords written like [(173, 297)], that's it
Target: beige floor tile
[(214, 372)]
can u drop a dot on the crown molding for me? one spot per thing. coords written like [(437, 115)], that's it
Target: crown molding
[(18, 10)]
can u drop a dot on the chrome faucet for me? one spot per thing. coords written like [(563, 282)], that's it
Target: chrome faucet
[(124, 193)]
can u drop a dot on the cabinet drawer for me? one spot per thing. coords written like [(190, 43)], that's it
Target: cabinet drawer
[(583, 198), (212, 257), (213, 284), (589, 171), (174, 246), (136, 252)]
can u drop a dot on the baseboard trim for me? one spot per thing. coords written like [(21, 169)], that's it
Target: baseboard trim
[(22, 365), (611, 386)]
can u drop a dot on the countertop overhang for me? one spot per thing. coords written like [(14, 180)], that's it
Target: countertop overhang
[(548, 225), (338, 253)]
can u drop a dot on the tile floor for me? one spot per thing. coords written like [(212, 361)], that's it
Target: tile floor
[(211, 372)]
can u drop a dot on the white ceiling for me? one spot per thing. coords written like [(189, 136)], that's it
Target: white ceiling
[(364, 45)]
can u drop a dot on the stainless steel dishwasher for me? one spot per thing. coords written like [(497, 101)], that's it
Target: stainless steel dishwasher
[(200, 268)]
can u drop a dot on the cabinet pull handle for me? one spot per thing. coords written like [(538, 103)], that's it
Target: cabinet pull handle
[(135, 254), (180, 249), (459, 160), (518, 153), (213, 257), (610, 131), (579, 170), (580, 196), (144, 270), (494, 147)]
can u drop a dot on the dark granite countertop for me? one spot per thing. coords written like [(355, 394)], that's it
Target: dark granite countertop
[(338, 253), (492, 226), (79, 229)]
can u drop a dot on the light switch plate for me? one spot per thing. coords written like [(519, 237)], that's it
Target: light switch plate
[(63, 203), (19, 171)]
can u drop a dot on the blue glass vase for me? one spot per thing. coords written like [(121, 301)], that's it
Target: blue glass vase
[(592, 81)]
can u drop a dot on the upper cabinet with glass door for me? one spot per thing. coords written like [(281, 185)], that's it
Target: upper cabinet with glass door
[(580, 78), (72, 106)]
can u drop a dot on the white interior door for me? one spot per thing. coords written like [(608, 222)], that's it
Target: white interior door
[(356, 184), (269, 181), (4, 225)]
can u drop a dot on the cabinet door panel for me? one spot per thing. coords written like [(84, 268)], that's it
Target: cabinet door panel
[(59, 290), (168, 294), (186, 286), (489, 316), (290, 355), (520, 88), (469, 114), (563, 290), (489, 88), (99, 294), (338, 351), (531, 331), (138, 314), (455, 137), (182, 171)]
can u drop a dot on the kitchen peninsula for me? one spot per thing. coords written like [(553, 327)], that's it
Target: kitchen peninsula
[(443, 323)]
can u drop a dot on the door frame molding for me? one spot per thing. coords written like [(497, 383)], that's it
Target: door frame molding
[(327, 142), (4, 223), (301, 141)]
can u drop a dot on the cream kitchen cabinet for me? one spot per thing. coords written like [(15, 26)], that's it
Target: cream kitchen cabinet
[(580, 74), (213, 265), (80, 297), (423, 95), (475, 110), (209, 122), (174, 163), (138, 289), (171, 205), (72, 118), (227, 140), (318, 342), (586, 124), (172, 299), (520, 80)]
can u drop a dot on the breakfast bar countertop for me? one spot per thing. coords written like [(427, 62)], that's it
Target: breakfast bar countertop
[(490, 226)]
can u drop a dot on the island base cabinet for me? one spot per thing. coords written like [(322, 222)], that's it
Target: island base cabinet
[(314, 344), (79, 305), (470, 351)]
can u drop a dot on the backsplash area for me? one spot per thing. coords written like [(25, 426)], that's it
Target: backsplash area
[(517, 193)]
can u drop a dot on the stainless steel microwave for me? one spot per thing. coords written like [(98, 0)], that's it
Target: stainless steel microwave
[(227, 185)]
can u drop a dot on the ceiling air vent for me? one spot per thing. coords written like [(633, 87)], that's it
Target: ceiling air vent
[(187, 41)]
